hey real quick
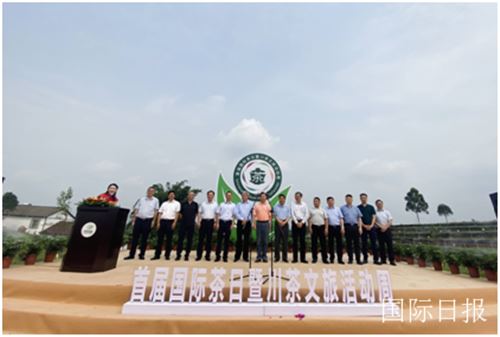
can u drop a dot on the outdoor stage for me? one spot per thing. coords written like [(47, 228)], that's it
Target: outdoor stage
[(41, 299)]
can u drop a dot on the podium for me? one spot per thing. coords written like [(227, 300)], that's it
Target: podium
[(95, 240)]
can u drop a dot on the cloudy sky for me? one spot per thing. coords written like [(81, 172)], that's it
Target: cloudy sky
[(348, 98)]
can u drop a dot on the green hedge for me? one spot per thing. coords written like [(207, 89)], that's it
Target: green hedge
[(466, 257), (24, 245)]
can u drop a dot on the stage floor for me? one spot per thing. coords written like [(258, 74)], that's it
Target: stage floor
[(41, 299)]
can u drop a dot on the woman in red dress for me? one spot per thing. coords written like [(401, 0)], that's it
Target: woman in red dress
[(110, 194)]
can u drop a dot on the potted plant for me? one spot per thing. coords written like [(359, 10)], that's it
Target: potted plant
[(408, 252), (452, 259), (127, 235), (435, 254), (470, 259), (54, 245), (10, 248), (398, 251), (30, 247), (421, 252), (489, 265)]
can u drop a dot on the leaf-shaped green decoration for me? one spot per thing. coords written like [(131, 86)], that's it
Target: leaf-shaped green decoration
[(274, 200), (222, 188)]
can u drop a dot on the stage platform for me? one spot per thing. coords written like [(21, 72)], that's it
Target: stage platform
[(41, 299)]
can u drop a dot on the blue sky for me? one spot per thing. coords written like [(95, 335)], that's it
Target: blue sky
[(349, 98)]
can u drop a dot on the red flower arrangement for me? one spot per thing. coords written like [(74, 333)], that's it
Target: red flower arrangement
[(97, 202)]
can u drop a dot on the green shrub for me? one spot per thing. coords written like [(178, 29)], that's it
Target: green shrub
[(55, 244), (10, 246), (451, 256), (127, 234), (469, 257), (421, 251), (398, 249), (30, 245), (408, 251), (489, 260), (435, 253)]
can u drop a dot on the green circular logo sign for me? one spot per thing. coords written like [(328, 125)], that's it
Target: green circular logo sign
[(256, 173)]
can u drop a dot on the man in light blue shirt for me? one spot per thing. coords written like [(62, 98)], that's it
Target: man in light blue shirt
[(336, 230), (353, 228), (282, 216), (243, 214)]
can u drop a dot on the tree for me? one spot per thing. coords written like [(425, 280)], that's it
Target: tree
[(64, 202), (444, 210), (9, 201), (181, 189), (416, 203)]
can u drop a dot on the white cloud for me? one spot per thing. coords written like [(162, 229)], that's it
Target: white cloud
[(249, 134)]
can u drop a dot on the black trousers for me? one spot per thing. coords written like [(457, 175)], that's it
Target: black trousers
[(141, 229), (186, 230), (318, 232), (372, 234), (335, 241), (385, 241), (299, 235), (223, 235), (242, 239), (205, 234), (165, 230), (280, 241), (352, 241)]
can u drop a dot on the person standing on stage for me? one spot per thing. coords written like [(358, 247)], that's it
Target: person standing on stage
[(168, 215), (226, 219), (352, 223), (300, 214), (262, 223), (207, 218), (318, 227), (282, 217), (110, 194), (189, 212), (243, 213), (145, 210), (383, 224), (335, 231), (369, 230)]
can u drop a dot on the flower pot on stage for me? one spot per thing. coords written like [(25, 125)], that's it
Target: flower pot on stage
[(50, 256), (7, 261), (473, 272), (30, 260), (397, 258), (438, 266), (96, 239), (409, 259), (491, 275), (454, 269), (421, 263)]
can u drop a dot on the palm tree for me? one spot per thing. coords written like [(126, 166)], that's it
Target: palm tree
[(444, 210)]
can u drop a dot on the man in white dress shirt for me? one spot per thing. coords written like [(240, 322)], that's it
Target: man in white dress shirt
[(226, 219), (168, 215), (145, 210), (318, 227), (300, 214), (383, 224), (207, 217)]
